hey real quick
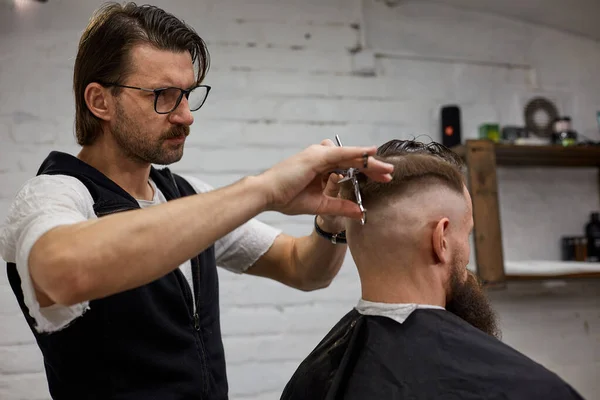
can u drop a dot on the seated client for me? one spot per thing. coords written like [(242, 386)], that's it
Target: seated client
[(423, 328)]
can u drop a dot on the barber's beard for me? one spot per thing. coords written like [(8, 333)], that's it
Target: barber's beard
[(468, 301), (139, 147)]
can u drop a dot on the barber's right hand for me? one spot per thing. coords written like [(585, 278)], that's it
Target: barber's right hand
[(293, 186)]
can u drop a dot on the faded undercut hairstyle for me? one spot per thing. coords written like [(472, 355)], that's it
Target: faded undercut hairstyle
[(105, 46), (415, 164)]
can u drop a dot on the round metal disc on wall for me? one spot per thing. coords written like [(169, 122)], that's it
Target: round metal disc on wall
[(540, 114)]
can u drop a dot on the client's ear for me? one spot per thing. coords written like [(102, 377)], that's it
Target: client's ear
[(441, 252)]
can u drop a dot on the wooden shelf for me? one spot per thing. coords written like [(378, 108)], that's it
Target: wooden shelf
[(481, 158), (546, 270), (585, 275), (533, 155)]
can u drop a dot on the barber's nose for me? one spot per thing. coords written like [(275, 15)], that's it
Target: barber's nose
[(182, 114)]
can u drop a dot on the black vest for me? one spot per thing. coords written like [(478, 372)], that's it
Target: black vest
[(145, 343)]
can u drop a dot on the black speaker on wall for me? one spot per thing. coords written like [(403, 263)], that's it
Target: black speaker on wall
[(450, 125)]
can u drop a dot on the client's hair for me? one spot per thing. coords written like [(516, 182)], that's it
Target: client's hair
[(415, 164), (397, 147)]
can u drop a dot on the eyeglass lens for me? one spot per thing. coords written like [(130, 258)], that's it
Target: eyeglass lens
[(167, 99)]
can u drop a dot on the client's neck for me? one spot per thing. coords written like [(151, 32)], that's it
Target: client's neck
[(394, 284)]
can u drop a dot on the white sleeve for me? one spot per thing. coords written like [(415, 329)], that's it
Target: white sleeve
[(241, 248), (43, 203)]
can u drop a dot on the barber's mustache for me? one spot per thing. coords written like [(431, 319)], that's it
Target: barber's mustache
[(177, 131)]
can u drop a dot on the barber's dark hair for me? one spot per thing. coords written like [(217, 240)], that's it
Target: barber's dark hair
[(104, 52), (415, 163)]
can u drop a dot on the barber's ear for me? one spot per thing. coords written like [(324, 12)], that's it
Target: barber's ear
[(97, 99), (441, 251)]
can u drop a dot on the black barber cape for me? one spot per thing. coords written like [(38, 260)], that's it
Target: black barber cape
[(432, 355)]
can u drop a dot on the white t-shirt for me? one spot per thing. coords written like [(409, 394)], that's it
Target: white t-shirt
[(399, 312), (47, 201)]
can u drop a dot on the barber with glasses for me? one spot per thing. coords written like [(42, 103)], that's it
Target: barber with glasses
[(113, 261)]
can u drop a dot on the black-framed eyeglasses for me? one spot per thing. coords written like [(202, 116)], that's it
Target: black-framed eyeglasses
[(167, 99)]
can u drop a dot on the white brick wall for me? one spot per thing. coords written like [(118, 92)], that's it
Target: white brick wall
[(283, 78)]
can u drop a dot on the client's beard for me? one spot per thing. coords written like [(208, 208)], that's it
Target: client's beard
[(468, 302)]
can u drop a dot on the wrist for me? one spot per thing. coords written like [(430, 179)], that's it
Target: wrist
[(334, 236), (331, 225), (258, 187)]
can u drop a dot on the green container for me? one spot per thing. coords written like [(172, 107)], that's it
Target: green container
[(490, 132)]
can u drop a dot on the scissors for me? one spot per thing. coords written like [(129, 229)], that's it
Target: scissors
[(350, 175)]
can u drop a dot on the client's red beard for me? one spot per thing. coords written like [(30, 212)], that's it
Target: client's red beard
[(468, 301)]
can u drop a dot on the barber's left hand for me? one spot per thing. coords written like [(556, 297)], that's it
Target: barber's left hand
[(331, 188)]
